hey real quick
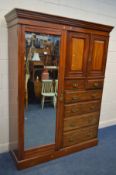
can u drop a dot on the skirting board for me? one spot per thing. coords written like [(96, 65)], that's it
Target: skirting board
[(4, 147), (107, 123)]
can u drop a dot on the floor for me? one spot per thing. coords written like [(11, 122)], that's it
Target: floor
[(38, 123), (99, 160)]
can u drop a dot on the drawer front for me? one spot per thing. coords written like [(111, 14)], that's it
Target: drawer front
[(74, 84), (79, 135), (81, 108), (72, 97), (81, 121), (94, 84)]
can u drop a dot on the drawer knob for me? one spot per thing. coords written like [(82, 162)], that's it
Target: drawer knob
[(52, 156), (96, 84), (70, 140), (72, 125), (75, 98), (75, 85), (89, 121), (94, 95), (92, 107), (74, 110), (88, 135)]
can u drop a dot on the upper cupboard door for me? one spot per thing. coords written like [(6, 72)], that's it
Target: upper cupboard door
[(77, 53), (97, 57)]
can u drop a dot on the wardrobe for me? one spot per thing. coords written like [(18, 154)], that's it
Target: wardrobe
[(56, 77)]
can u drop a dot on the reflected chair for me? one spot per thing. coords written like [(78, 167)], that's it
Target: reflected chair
[(56, 90), (26, 90), (48, 91), (56, 87)]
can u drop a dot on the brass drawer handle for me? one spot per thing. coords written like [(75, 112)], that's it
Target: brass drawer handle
[(88, 135), (92, 107), (72, 125), (94, 120), (71, 140), (75, 85), (74, 110), (94, 95), (89, 121), (96, 84), (75, 98)]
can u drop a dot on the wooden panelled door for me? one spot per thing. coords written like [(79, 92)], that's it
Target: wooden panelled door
[(77, 54), (97, 57), (50, 59)]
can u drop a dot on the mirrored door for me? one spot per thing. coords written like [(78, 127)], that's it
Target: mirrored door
[(41, 63)]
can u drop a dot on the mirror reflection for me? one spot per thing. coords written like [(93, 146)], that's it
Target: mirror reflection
[(41, 85)]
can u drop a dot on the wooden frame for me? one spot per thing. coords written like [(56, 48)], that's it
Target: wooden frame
[(90, 60), (48, 148), (77, 36)]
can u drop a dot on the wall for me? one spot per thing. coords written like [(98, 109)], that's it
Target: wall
[(100, 11)]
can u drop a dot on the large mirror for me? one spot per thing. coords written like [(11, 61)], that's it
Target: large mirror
[(41, 88)]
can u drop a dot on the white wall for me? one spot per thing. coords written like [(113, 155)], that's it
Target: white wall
[(100, 11)]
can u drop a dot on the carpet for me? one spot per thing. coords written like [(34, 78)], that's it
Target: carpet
[(99, 160), (38, 123)]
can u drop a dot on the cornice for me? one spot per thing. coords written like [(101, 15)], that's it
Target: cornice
[(37, 16)]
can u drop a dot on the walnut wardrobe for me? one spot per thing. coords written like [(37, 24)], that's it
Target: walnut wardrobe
[(56, 77)]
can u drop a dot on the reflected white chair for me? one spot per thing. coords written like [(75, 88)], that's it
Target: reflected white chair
[(56, 90), (48, 91), (56, 87), (26, 90)]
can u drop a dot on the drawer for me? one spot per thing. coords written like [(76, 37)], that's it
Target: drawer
[(72, 97), (81, 108), (79, 136), (74, 84), (94, 84), (81, 121)]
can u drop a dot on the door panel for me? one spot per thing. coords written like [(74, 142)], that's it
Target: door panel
[(97, 58), (98, 55), (77, 53), (41, 64)]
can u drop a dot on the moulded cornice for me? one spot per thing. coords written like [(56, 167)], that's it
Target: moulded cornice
[(37, 16)]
